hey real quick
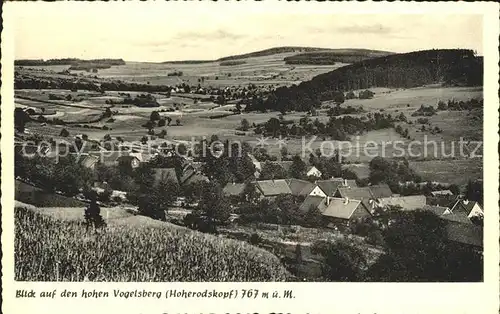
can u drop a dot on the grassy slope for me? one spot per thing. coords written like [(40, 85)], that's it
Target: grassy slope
[(49, 249)]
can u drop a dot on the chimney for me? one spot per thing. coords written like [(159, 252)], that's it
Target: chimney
[(328, 200), (466, 202), (346, 200), (345, 182)]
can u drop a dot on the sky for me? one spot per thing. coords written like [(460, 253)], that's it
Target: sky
[(156, 33)]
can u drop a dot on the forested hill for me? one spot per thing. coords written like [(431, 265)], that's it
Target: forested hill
[(272, 51), (67, 61), (449, 67), (335, 55)]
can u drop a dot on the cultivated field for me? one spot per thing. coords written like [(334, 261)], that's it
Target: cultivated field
[(196, 122), (56, 249), (267, 70)]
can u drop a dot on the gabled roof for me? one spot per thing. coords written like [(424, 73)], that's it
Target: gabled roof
[(340, 208), (108, 157), (234, 189), (355, 193), (469, 234), (410, 202), (142, 157), (273, 187), (380, 190), (329, 186), (441, 192), (300, 187), (191, 176), (438, 210), (313, 201), (312, 168), (457, 217), (464, 205), (89, 161)]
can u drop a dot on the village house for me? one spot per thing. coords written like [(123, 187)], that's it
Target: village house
[(469, 208), (438, 210), (314, 172), (342, 211), (304, 188), (330, 187), (380, 191), (272, 188), (354, 193), (411, 202), (192, 174), (313, 202)]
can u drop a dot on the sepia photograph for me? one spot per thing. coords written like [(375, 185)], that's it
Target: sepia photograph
[(163, 146)]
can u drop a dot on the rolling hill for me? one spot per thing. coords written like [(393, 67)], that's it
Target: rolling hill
[(456, 67), (260, 53), (335, 56)]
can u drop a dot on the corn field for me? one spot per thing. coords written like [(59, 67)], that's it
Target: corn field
[(47, 249)]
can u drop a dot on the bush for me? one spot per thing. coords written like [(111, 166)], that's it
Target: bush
[(366, 94), (255, 239), (375, 237), (64, 133), (125, 252), (422, 120), (105, 195)]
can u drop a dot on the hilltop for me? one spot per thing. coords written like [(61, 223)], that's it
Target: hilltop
[(260, 53), (67, 61), (335, 55)]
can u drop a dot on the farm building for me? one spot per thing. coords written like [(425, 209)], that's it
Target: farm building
[(313, 201), (272, 188), (469, 208), (314, 172), (344, 210)]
